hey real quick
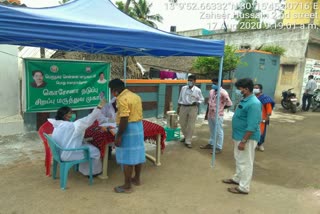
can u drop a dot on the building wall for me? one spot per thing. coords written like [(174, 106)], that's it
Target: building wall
[(295, 41), (10, 119), (9, 81), (313, 51), (300, 12), (261, 67)]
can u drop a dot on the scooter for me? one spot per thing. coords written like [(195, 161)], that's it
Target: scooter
[(289, 100), (315, 100)]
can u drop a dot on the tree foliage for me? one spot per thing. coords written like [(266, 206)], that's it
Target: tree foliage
[(140, 11), (209, 66), (274, 49), (63, 1), (129, 11)]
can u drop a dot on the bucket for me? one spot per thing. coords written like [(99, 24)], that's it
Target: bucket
[(172, 119)]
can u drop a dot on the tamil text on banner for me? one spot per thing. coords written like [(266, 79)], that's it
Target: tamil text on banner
[(51, 84)]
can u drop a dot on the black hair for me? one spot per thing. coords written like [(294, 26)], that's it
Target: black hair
[(217, 80), (245, 83), (259, 85), (311, 76), (116, 84), (62, 112), (36, 71), (101, 73), (192, 77)]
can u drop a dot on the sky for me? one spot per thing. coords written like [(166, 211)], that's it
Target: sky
[(188, 14)]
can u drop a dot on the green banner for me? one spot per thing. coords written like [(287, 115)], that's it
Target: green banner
[(51, 84)]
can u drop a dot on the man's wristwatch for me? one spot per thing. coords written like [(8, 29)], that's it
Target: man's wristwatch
[(243, 141)]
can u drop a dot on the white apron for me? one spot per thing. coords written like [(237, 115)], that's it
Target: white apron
[(69, 135)]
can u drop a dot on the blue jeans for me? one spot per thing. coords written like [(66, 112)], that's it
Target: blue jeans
[(219, 135)]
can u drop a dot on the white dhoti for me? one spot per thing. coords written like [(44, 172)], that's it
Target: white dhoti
[(96, 167), (96, 162), (244, 164), (84, 167)]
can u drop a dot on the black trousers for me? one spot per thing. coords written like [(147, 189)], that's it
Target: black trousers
[(305, 98)]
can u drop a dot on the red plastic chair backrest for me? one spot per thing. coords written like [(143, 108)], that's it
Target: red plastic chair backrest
[(45, 128)]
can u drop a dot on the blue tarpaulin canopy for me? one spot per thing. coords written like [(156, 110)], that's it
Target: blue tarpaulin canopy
[(95, 26)]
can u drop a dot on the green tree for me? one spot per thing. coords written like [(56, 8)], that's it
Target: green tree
[(63, 1), (140, 11), (120, 5), (209, 66), (126, 6)]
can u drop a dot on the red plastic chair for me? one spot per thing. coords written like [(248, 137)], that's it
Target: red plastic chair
[(48, 129)]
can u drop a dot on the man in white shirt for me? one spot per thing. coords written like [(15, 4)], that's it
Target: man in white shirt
[(188, 104), (108, 112), (308, 93)]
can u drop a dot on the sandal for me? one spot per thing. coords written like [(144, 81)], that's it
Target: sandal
[(188, 145), (229, 181), (236, 190), (208, 146), (134, 182), (122, 190)]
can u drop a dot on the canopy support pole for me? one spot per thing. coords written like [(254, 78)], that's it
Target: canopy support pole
[(125, 70), (216, 114)]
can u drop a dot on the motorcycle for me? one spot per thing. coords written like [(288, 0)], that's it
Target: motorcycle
[(289, 100), (315, 100)]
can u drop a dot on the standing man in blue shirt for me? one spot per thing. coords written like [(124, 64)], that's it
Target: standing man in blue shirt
[(245, 134)]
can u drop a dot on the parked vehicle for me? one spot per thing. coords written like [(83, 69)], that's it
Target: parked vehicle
[(289, 100), (316, 100)]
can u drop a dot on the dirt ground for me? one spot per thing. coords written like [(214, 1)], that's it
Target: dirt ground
[(286, 177)]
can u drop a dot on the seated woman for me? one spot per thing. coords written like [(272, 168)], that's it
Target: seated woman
[(69, 134)]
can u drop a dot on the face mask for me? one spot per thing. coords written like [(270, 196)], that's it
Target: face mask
[(238, 92), (214, 87), (72, 118), (256, 91), (190, 83)]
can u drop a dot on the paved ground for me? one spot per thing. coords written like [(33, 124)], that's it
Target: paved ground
[(286, 177)]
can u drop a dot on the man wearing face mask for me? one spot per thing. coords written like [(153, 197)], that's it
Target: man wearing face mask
[(69, 134), (245, 135), (225, 102), (189, 99), (267, 106), (129, 141)]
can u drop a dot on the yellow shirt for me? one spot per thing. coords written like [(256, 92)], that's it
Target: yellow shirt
[(129, 105)]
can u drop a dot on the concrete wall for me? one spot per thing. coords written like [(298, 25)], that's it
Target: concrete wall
[(295, 41), (9, 81), (261, 67), (10, 119)]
